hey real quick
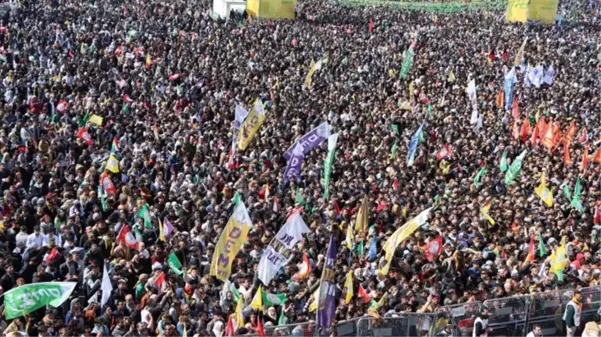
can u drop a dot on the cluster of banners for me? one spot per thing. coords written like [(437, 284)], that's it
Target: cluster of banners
[(543, 11), (279, 251), (537, 76), (231, 240), (295, 155)]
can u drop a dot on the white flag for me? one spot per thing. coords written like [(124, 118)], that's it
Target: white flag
[(106, 287), (278, 253)]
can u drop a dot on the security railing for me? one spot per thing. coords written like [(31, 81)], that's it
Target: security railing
[(509, 316)]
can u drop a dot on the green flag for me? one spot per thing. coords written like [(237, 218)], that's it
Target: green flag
[(479, 176), (144, 213), (282, 318), (541, 246), (84, 120), (566, 191), (236, 198), (407, 63), (125, 108), (174, 264), (394, 150), (360, 248), (23, 300), (515, 168), (576, 203), (102, 197), (299, 197), (395, 129), (269, 300), (503, 165), (429, 109)]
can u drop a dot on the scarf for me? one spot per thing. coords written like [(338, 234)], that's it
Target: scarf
[(578, 303)]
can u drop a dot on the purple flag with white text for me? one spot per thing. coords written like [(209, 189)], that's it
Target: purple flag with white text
[(311, 140), (326, 300)]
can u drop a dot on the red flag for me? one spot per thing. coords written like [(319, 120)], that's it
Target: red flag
[(531, 251), (445, 152), (515, 108), (542, 127), (174, 77), (62, 106), (118, 51), (276, 204), (585, 159), (127, 237), (505, 56), (566, 155), (597, 216), (395, 184), (229, 329), (160, 281), (107, 184), (336, 207), (525, 131), (557, 132), (304, 269), (516, 130), (260, 329), (433, 249), (85, 136), (583, 138), (370, 27), (52, 254), (127, 99), (363, 294)]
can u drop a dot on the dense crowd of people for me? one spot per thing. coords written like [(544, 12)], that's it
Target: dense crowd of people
[(153, 85)]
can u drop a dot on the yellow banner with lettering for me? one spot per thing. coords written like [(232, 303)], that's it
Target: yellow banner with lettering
[(231, 240), (517, 10), (543, 11), (271, 9), (251, 125)]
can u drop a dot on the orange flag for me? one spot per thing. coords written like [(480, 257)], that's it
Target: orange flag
[(585, 159), (500, 97), (515, 108), (531, 251), (597, 157), (547, 138), (516, 130), (534, 137), (568, 136), (542, 127), (556, 132), (566, 155), (525, 131)]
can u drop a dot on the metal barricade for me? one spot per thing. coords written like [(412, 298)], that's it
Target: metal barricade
[(294, 329), (406, 324), (461, 317), (507, 316)]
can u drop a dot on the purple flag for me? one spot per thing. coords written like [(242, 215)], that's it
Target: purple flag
[(167, 228), (311, 140), (326, 300), (294, 163)]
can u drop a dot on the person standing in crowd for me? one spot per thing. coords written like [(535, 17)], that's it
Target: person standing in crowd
[(571, 315), (537, 331), (481, 328)]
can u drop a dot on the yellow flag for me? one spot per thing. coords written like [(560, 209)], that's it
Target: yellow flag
[(451, 77), (161, 231), (382, 301), (484, 211), (411, 89), (404, 232), (257, 302), (348, 285), (520, 54), (313, 305), (385, 269), (361, 224), (558, 259), (112, 164), (238, 313), (350, 237), (95, 119), (544, 192), (251, 125), (309, 78)]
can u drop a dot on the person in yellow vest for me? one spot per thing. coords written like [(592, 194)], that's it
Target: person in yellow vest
[(572, 312)]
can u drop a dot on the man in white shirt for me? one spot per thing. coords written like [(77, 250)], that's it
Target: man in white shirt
[(35, 238), (537, 331), (50, 236), (21, 237)]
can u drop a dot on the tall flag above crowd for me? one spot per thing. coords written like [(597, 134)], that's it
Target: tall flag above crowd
[(296, 153)]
